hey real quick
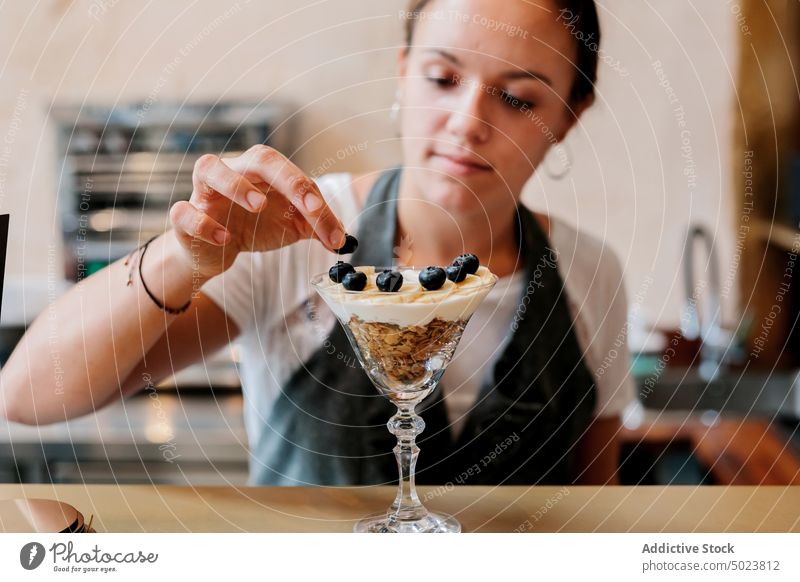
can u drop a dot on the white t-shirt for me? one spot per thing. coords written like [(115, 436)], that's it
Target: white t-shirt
[(283, 322)]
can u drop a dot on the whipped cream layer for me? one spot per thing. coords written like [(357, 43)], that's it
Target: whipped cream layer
[(412, 305)]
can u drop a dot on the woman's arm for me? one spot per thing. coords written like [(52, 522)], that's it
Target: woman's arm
[(96, 342), (598, 452)]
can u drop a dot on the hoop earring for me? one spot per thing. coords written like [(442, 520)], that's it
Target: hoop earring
[(566, 163)]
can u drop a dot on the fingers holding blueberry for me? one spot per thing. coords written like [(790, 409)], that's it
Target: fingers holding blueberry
[(349, 247)]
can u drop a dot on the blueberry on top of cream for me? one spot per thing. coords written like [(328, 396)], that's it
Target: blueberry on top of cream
[(432, 278), (355, 281), (389, 281), (338, 272), (456, 273), (469, 261)]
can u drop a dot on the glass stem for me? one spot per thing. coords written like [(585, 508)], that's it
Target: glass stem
[(406, 425)]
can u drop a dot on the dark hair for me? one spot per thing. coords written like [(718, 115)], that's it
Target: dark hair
[(579, 17)]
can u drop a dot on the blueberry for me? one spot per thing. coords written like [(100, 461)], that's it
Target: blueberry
[(456, 273), (355, 281), (470, 262), (350, 245), (389, 281), (432, 278), (339, 270)]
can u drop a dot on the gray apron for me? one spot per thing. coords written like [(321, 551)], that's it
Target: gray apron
[(328, 426)]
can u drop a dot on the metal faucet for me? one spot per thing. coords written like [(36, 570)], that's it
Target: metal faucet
[(712, 347)]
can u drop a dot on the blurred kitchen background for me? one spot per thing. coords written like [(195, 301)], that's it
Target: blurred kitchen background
[(687, 166)]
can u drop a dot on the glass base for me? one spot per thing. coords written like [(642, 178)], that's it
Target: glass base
[(431, 523)]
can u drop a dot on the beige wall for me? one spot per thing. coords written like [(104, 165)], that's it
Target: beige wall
[(335, 61)]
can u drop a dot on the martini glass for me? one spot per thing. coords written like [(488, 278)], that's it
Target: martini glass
[(404, 341)]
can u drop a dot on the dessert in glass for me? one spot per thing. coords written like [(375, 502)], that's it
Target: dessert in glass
[(404, 325)]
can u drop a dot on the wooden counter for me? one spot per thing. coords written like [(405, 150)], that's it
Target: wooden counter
[(138, 508)]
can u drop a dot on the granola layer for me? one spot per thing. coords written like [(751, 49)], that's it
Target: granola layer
[(405, 354)]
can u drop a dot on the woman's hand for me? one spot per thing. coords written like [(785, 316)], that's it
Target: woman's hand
[(258, 201)]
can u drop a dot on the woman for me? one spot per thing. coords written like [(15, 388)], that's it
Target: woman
[(485, 89)]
